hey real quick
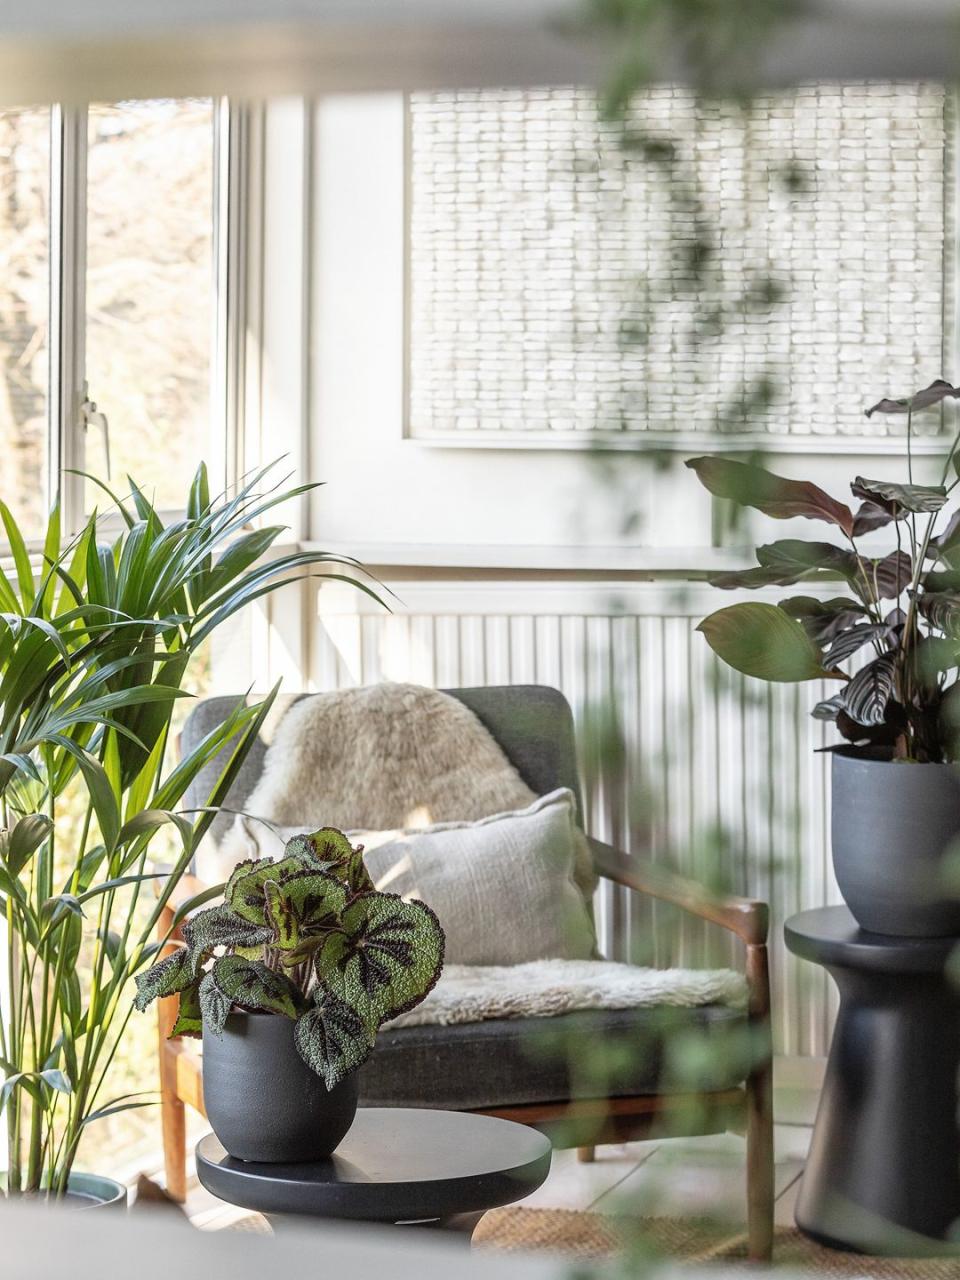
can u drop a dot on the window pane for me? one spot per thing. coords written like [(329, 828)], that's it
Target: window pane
[(24, 308), (150, 291)]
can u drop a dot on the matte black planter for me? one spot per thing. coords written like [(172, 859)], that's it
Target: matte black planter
[(263, 1101), (893, 822)]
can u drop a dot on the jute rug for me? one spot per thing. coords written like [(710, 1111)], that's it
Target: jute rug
[(590, 1235)]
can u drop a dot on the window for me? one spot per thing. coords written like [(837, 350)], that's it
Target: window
[(150, 291), (24, 310), (108, 222)]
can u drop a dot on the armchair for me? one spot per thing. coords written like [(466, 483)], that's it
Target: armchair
[(487, 1067)]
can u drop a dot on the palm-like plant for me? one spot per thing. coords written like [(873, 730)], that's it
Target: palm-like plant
[(94, 646)]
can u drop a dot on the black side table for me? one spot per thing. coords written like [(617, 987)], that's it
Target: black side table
[(397, 1164), (885, 1156)]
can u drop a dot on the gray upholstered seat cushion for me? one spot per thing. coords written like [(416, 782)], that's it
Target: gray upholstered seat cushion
[(508, 1062)]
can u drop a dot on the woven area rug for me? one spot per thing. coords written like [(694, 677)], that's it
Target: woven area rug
[(590, 1235)]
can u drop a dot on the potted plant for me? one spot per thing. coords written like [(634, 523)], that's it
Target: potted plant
[(896, 617), (95, 639), (288, 980)]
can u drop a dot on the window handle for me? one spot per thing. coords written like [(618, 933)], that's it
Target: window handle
[(91, 416)]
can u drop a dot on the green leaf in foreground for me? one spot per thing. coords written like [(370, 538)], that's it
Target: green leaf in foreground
[(763, 641)]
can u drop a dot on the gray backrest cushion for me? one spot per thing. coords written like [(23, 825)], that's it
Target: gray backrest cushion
[(532, 724)]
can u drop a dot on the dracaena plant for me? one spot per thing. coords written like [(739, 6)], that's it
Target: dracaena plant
[(307, 938), (95, 639), (900, 611)]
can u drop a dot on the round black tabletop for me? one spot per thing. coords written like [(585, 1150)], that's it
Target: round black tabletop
[(831, 936), (396, 1164)]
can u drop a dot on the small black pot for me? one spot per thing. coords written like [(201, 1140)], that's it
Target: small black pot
[(893, 822), (263, 1101)]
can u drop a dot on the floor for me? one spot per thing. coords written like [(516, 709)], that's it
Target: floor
[(680, 1177)]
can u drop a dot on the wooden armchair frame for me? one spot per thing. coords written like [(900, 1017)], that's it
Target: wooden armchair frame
[(746, 1109)]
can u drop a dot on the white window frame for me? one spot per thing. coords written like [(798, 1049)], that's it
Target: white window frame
[(66, 439)]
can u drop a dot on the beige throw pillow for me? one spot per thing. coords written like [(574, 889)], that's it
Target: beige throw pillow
[(503, 887)]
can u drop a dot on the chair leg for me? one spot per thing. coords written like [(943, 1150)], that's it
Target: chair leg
[(586, 1155), (174, 1121), (760, 1160)]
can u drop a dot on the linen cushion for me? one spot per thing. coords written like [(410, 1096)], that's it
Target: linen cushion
[(502, 887), (514, 1061)]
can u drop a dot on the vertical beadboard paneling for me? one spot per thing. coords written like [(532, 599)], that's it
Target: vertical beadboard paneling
[(715, 773)]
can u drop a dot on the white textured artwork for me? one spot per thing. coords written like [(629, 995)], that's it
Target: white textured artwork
[(770, 270)]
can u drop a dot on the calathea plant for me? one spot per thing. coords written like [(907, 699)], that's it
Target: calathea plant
[(902, 608), (307, 938)]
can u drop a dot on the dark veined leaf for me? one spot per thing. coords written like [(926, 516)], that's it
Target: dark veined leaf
[(941, 610), (221, 927), (938, 390), (165, 978), (331, 1038), (850, 641), (330, 848), (829, 709), (304, 905), (251, 984), (189, 1014), (763, 641), (899, 499), (823, 620), (214, 1005), (866, 696), (245, 892), (386, 959), (775, 496), (887, 577)]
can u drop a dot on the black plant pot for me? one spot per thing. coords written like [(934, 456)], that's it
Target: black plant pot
[(263, 1101), (893, 823)]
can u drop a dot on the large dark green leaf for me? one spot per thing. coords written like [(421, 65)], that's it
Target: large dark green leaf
[(763, 641), (775, 496), (763, 576), (332, 1038), (866, 697), (255, 986), (891, 575), (387, 958)]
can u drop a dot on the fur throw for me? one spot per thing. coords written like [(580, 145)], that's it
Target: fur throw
[(545, 988), (385, 757)]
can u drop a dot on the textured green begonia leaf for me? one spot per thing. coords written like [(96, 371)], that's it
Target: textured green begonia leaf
[(220, 926), (215, 1006), (762, 640), (332, 1038), (255, 986), (280, 916), (168, 976), (245, 892), (189, 1014), (387, 958), (330, 849)]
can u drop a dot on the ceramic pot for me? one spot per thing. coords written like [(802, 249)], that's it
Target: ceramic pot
[(263, 1101), (893, 825)]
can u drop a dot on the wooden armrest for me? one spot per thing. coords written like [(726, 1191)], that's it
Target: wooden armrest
[(746, 917)]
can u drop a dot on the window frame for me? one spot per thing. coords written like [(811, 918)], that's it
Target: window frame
[(66, 389)]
